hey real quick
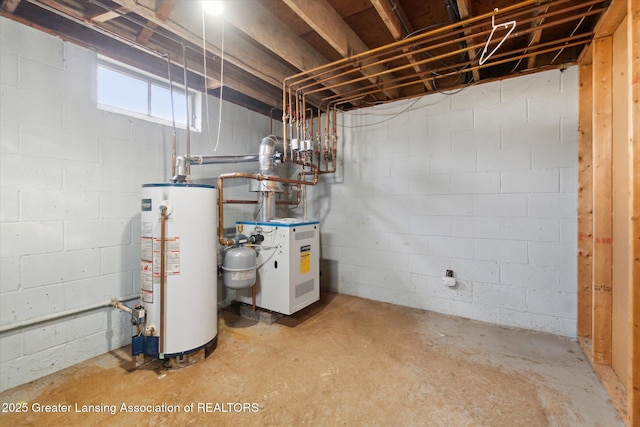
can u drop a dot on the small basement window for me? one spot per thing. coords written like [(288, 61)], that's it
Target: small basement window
[(126, 90)]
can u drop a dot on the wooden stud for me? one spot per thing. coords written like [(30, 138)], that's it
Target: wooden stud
[(585, 200), (602, 203), (633, 401), (611, 18)]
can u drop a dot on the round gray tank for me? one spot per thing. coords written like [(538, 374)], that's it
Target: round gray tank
[(239, 268)]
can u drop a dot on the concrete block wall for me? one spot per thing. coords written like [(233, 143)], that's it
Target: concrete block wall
[(70, 179), (482, 182)]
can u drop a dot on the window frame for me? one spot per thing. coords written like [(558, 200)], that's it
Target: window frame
[(194, 96)]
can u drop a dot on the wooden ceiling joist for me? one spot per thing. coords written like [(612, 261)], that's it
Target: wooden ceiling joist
[(266, 29), (109, 15), (396, 28), (237, 51), (271, 42), (465, 11), (163, 10), (327, 23), (534, 38)]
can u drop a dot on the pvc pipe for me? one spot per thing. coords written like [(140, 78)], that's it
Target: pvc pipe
[(67, 313)]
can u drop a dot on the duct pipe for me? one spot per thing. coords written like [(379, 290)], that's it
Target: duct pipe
[(173, 119), (62, 314), (270, 149), (181, 170)]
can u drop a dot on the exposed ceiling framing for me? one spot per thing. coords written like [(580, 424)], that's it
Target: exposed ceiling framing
[(361, 51)]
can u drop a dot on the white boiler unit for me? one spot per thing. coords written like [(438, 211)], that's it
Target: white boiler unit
[(181, 310), (288, 264)]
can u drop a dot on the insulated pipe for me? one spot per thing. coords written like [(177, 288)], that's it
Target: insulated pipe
[(258, 177), (66, 313), (121, 306)]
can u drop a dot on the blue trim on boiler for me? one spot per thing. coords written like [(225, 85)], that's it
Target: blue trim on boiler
[(278, 224)]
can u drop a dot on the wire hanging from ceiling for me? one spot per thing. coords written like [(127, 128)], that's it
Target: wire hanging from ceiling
[(206, 99)]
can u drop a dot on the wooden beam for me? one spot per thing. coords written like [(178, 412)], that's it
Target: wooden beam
[(464, 8), (331, 27), (109, 15), (389, 17), (534, 38), (238, 51), (585, 200), (145, 34), (611, 18), (602, 202), (633, 401), (9, 6), (213, 72), (586, 56), (259, 24), (163, 10), (393, 24)]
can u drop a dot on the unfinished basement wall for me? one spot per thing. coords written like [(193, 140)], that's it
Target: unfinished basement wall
[(70, 178), (482, 182)]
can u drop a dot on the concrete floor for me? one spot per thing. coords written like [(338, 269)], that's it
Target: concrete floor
[(343, 361)]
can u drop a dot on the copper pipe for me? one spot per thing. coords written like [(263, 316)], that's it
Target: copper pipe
[(420, 38), (440, 57), (509, 58), (452, 26), (284, 119), (255, 202), (435, 34), (163, 218), (259, 177), (417, 40)]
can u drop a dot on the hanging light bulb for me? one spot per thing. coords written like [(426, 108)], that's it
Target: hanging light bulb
[(213, 7)]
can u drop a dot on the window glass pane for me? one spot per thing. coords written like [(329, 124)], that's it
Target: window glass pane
[(161, 104), (122, 91)]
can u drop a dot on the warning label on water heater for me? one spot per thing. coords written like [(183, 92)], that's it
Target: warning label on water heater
[(305, 259), (146, 281), (172, 256)]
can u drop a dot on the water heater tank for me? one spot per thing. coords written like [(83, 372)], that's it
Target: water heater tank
[(239, 268), (182, 309)]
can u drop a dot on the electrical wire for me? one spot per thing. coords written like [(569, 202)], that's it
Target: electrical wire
[(406, 109), (221, 86), (204, 60), (385, 120), (206, 92), (571, 35)]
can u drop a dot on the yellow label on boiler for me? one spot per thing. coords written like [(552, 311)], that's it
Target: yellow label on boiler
[(305, 259)]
